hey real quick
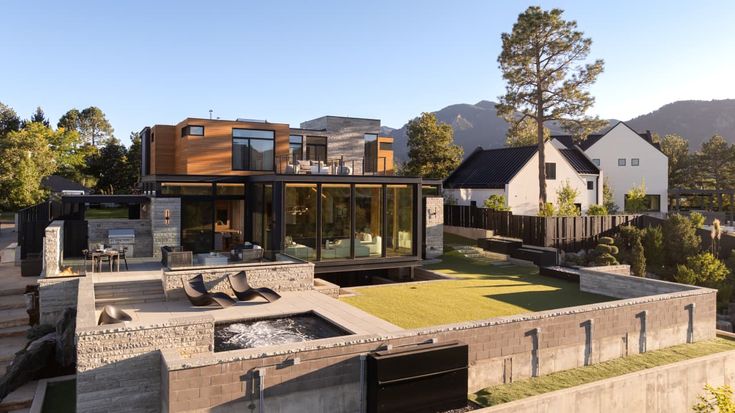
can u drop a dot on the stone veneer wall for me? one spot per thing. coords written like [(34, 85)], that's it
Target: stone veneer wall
[(500, 350), (274, 275), (165, 234), (97, 230), (346, 137), (53, 248), (55, 295), (434, 226), (672, 388)]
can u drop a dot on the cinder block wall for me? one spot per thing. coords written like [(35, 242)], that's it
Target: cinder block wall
[(281, 277), (500, 350), (434, 221)]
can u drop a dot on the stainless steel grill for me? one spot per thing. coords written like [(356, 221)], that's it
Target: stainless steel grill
[(122, 238)]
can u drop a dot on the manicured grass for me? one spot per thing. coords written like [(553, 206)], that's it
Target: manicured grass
[(504, 393), (482, 290), (106, 213), (61, 397)]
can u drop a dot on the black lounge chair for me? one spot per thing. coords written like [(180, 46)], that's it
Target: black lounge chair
[(197, 294), (244, 292), (112, 315)]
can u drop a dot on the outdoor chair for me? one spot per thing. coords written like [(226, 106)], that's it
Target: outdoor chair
[(197, 294), (244, 292), (88, 257), (113, 315), (121, 256)]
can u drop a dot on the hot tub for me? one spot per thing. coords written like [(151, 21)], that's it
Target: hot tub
[(273, 331)]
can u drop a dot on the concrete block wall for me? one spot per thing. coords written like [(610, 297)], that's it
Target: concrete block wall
[(434, 221), (673, 388), (500, 350), (56, 295), (53, 249), (163, 233), (277, 276), (119, 366), (97, 230)]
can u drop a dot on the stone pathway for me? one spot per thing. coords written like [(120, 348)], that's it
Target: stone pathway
[(480, 255)]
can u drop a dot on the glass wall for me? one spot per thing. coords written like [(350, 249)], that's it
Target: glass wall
[(316, 148), (295, 148), (336, 217), (196, 225), (301, 221), (371, 152), (368, 220), (253, 150), (399, 214), (229, 223)]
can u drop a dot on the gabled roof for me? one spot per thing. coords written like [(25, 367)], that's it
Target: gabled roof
[(579, 161), (568, 140), (58, 184), (490, 168)]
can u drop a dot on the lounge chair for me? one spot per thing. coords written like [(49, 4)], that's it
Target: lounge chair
[(112, 315), (244, 292), (197, 294)]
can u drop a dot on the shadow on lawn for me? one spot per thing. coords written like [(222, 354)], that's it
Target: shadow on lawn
[(548, 300)]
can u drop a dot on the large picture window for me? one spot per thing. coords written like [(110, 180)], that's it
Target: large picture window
[(371, 152), (399, 214), (253, 150), (336, 212), (301, 221), (316, 148), (368, 221), (295, 148)]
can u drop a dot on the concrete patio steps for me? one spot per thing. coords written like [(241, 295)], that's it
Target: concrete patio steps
[(17, 331), (128, 292), (21, 399), (13, 318), (9, 302)]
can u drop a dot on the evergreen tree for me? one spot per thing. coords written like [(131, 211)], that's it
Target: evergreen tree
[(676, 149), (431, 149), (540, 62), (653, 247), (9, 120), (680, 240), (40, 117), (524, 133), (91, 123), (604, 253), (638, 259)]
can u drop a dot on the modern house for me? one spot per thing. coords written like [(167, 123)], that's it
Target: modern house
[(513, 173), (323, 192), (628, 159)]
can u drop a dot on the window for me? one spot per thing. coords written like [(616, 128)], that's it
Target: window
[(550, 170), (192, 130), (316, 148), (231, 189), (635, 162), (596, 162), (336, 221), (621, 161), (371, 152), (252, 150), (368, 221), (651, 203), (591, 185), (301, 221), (399, 217), (184, 188), (295, 147), (386, 146)]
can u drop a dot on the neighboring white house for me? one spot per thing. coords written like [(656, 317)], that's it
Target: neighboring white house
[(513, 173), (627, 159)]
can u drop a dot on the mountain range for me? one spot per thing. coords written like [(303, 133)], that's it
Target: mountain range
[(478, 124)]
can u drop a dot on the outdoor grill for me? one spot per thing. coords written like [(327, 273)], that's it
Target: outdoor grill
[(122, 238)]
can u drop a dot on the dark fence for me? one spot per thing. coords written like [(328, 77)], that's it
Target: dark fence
[(32, 222), (565, 233)]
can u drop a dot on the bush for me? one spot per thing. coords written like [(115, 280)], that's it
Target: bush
[(596, 209), (653, 247), (638, 259), (496, 203), (565, 197), (624, 240), (548, 210), (635, 199), (680, 240), (697, 219), (703, 269), (604, 253)]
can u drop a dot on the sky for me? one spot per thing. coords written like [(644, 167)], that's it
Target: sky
[(146, 62)]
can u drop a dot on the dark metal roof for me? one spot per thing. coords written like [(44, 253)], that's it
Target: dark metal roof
[(106, 199), (568, 140), (579, 161), (490, 168), (57, 184)]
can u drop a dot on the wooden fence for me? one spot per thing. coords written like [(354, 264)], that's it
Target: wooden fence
[(565, 233)]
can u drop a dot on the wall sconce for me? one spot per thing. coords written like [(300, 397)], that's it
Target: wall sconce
[(166, 216), (431, 213)]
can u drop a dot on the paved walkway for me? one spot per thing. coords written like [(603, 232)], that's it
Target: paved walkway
[(294, 302)]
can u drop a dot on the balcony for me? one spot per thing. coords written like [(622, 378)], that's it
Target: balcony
[(286, 165)]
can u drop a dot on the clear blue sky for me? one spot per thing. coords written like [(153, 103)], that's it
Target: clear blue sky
[(146, 62)]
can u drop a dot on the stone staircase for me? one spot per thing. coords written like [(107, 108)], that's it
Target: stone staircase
[(13, 328), (122, 293), (480, 255)]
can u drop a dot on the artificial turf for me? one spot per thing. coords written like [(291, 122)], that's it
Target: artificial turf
[(482, 289), (503, 393)]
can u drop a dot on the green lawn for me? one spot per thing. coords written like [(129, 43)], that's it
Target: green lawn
[(504, 393), (482, 290)]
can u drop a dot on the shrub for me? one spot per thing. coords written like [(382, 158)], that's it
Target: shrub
[(653, 247), (565, 197), (717, 399), (697, 219), (624, 240), (548, 210), (635, 199), (703, 269), (604, 253), (680, 240), (496, 203), (638, 259), (596, 209)]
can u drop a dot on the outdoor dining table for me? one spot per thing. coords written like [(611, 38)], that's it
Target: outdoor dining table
[(111, 255)]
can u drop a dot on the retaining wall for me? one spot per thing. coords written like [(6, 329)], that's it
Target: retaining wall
[(500, 350), (279, 276), (672, 388), (599, 280), (56, 295), (471, 233)]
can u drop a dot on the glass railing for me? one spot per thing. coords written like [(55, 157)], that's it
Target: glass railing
[(286, 165)]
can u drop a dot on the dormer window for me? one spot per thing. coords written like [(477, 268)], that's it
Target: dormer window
[(192, 130)]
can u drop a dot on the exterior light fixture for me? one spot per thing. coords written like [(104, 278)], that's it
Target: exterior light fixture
[(167, 216)]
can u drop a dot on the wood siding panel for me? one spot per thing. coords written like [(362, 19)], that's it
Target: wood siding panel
[(163, 151), (386, 167)]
